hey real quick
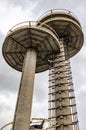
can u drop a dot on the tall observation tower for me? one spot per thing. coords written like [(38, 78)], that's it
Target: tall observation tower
[(48, 44)]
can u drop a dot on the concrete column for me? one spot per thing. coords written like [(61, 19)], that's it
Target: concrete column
[(24, 102), (63, 109)]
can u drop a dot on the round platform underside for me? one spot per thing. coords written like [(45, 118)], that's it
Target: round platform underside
[(68, 29), (17, 43)]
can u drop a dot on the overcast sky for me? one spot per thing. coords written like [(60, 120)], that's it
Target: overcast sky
[(16, 11)]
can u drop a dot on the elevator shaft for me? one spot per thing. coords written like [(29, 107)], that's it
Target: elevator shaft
[(62, 106)]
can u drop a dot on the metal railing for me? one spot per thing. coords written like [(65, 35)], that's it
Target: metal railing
[(58, 11), (31, 24), (33, 119)]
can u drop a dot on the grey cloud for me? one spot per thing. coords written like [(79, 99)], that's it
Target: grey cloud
[(40, 109), (79, 77), (9, 82), (4, 107), (1, 40), (64, 4), (41, 87), (78, 64), (7, 103), (10, 79), (22, 3), (81, 99)]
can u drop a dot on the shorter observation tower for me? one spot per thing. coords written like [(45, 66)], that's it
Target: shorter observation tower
[(33, 47), (26, 48)]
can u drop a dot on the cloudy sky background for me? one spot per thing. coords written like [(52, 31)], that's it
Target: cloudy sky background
[(16, 11)]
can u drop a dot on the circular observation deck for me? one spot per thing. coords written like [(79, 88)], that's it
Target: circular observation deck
[(67, 27), (24, 36)]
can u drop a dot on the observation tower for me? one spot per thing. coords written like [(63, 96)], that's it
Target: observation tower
[(48, 44)]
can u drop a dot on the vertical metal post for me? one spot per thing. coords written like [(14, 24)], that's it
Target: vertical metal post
[(24, 102)]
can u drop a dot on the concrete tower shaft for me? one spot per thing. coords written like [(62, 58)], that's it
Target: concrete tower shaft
[(26, 49), (24, 102), (62, 106)]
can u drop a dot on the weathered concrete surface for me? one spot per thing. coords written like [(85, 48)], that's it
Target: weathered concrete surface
[(63, 102), (24, 102)]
